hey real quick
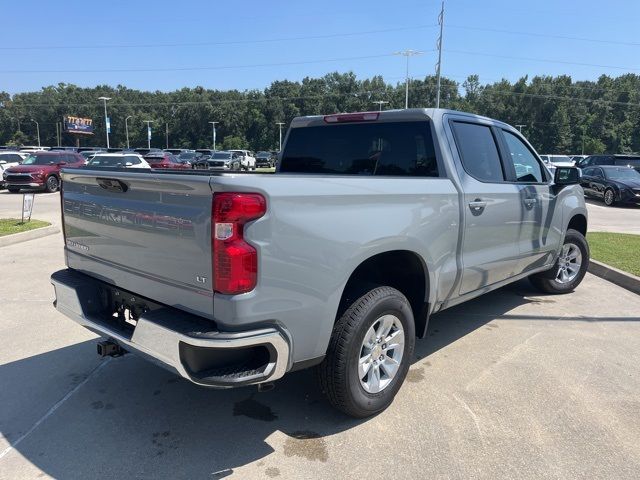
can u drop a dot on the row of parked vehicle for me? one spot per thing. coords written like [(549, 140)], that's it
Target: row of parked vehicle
[(39, 168), (615, 179)]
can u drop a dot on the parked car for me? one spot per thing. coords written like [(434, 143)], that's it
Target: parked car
[(264, 160), (8, 159), (189, 158), (65, 149), (611, 184), (90, 153), (577, 158), (144, 151), (632, 161), (374, 222), (248, 161), (118, 160), (220, 160), (176, 151), (41, 170), (557, 160), (165, 160)]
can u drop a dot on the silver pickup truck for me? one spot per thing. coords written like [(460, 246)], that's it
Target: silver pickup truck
[(373, 222)]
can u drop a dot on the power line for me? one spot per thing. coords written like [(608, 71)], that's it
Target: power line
[(218, 67), (210, 44), (546, 60), (547, 35)]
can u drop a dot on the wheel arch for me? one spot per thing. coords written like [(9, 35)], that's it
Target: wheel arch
[(578, 222), (404, 270)]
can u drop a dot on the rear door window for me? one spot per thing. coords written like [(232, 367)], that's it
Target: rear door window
[(478, 151), (380, 148)]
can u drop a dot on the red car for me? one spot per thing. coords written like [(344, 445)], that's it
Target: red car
[(41, 170), (165, 160)]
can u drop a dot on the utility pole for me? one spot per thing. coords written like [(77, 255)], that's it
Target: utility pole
[(213, 134), (58, 130), (126, 129), (107, 122), (37, 129), (407, 53), (584, 132), (148, 122), (380, 103), (520, 126), (280, 124), (439, 45), (166, 133)]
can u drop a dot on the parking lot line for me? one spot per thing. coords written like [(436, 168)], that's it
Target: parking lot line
[(52, 410)]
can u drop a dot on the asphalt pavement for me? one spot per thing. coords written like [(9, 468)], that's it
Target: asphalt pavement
[(511, 385)]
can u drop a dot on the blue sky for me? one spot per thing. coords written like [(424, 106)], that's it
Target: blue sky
[(141, 25)]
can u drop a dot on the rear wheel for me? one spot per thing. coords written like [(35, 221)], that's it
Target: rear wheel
[(369, 353), (52, 184), (609, 197), (570, 267)]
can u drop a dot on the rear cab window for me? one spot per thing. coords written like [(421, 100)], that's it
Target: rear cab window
[(380, 149), (478, 151)]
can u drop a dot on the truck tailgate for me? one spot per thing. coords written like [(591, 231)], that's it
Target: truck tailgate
[(148, 233)]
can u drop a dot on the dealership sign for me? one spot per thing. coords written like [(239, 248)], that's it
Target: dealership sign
[(78, 125)]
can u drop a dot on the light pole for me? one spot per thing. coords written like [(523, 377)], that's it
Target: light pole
[(213, 134), (166, 134), (107, 123), (148, 122), (380, 103), (520, 126), (407, 53), (126, 129), (280, 124), (439, 64), (37, 129)]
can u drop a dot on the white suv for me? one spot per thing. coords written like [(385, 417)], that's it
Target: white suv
[(8, 159), (248, 161)]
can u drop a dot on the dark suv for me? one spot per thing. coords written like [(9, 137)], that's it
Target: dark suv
[(632, 161)]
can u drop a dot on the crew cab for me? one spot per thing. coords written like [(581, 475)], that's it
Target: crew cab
[(372, 223), (41, 170)]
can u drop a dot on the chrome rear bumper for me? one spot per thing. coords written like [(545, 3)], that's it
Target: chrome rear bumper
[(176, 340)]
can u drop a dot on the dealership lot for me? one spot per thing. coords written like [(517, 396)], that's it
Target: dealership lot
[(511, 385)]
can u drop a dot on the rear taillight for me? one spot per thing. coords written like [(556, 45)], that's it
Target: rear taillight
[(235, 262)]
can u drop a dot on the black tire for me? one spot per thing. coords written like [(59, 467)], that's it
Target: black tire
[(13, 190), (338, 373), (609, 197), (547, 281), (51, 184)]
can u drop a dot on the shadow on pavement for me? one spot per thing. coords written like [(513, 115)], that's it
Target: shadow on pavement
[(132, 419)]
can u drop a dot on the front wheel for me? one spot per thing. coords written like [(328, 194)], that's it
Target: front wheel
[(570, 267), (52, 184), (369, 353), (609, 197), (13, 189)]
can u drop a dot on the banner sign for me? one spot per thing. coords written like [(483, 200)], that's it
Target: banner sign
[(108, 125), (78, 125), (149, 133), (27, 206)]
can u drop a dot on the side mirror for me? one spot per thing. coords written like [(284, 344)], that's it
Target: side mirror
[(2, 162), (128, 164), (566, 176), (61, 163)]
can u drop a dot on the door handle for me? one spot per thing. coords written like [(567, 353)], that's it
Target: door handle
[(477, 205), (530, 201)]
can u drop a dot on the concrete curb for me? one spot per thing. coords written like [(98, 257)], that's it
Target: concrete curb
[(29, 235), (613, 275)]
